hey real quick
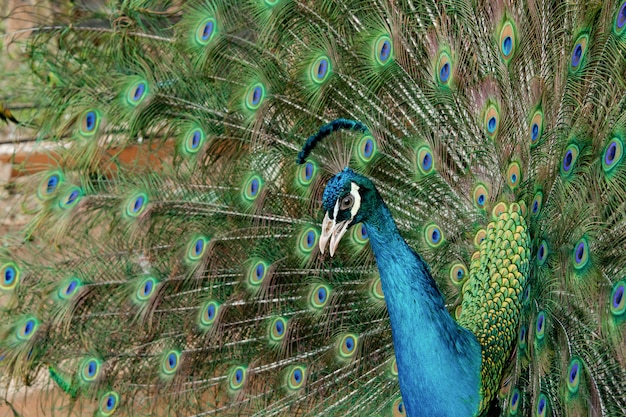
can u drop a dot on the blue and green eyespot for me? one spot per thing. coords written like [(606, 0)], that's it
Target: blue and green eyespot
[(347, 346), (170, 361), (197, 248), (70, 197), (252, 188), (383, 50), (49, 185), (9, 276), (109, 403), (425, 160), (581, 254), (578, 53), (458, 273), (618, 298), (277, 329), (237, 378), (257, 273), (444, 68), (89, 122), (295, 377), (307, 173), (145, 289), (319, 296), (254, 96), (135, 205), (136, 91), (90, 369), (320, 69), (69, 288), (205, 31), (308, 240), (367, 149), (208, 314), (26, 329)]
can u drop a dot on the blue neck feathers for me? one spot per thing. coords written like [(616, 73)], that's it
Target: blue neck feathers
[(438, 360)]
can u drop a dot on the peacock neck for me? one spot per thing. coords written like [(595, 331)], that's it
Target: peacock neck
[(438, 360)]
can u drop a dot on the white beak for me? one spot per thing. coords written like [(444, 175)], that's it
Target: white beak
[(333, 231)]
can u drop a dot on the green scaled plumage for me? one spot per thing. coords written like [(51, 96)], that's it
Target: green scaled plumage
[(171, 265)]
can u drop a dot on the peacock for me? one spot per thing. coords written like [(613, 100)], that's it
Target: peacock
[(319, 208)]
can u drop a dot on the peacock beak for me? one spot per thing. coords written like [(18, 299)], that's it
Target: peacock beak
[(333, 231)]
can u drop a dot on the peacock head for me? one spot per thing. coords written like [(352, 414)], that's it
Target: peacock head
[(346, 201)]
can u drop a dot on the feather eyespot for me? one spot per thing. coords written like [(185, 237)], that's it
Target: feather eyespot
[(507, 41), (581, 254), (367, 149), (145, 289), (71, 197), (573, 376), (398, 408), (255, 96), (308, 240), (10, 276), (612, 154), (27, 329), (170, 363), (578, 52), (618, 300), (479, 238), (252, 188), (535, 207), (536, 127), (278, 329), (49, 185), (542, 406), (433, 235), (569, 160), (542, 253), (376, 289), (491, 121), (320, 70), (193, 140), (540, 328), (444, 68), (383, 50), (307, 173), (393, 369), (136, 91), (90, 370), (197, 248), (89, 122), (237, 378), (257, 273), (458, 272), (514, 401), (359, 234), (514, 175), (135, 205), (208, 314), (347, 346), (320, 294), (205, 31), (69, 289), (109, 403), (296, 377), (480, 196), (425, 161)]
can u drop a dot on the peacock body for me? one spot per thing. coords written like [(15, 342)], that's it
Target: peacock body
[(332, 208)]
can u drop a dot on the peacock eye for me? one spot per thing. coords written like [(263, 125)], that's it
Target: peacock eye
[(347, 202)]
